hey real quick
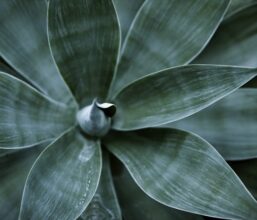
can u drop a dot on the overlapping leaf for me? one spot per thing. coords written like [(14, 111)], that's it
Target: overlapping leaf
[(183, 171), (84, 38), (63, 180), (24, 44), (230, 125), (27, 117), (14, 168), (136, 205), (234, 42), (104, 204), (162, 36), (175, 93)]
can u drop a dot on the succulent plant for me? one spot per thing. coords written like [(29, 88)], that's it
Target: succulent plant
[(83, 80)]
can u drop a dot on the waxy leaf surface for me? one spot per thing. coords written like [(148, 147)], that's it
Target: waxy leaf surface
[(175, 93), (14, 168), (183, 171), (24, 45), (84, 38), (136, 205), (104, 204), (162, 36), (230, 125), (27, 117), (63, 179), (234, 43)]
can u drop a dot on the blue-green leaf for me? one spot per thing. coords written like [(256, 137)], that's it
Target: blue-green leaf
[(104, 204), (175, 93), (27, 117), (63, 180), (230, 125), (14, 168), (126, 12), (161, 36), (237, 5), (136, 205), (24, 45), (84, 38), (234, 43), (183, 171)]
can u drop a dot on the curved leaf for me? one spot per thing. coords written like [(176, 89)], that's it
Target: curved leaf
[(136, 205), (175, 93), (161, 36), (104, 204), (230, 125), (84, 37), (24, 45), (183, 171), (246, 170), (126, 11), (27, 117), (237, 5), (14, 168), (234, 43), (63, 180)]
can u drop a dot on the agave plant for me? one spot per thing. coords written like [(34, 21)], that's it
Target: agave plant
[(88, 79)]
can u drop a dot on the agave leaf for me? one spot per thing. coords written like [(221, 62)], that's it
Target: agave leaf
[(183, 171), (126, 12), (24, 45), (246, 170), (237, 5), (14, 168), (104, 204), (84, 38), (230, 125), (175, 93), (161, 36), (63, 180), (234, 43), (136, 205), (27, 117)]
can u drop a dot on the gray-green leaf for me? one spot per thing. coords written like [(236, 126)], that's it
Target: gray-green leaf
[(84, 38), (230, 125), (14, 168), (237, 5), (27, 117), (234, 43), (63, 180), (24, 45), (136, 205), (104, 204), (175, 93), (162, 36), (183, 171)]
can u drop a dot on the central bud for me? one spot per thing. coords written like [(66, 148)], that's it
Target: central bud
[(95, 119)]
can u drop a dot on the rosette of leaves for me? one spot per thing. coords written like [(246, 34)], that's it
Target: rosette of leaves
[(87, 79)]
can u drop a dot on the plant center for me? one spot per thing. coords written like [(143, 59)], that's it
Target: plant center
[(95, 119)]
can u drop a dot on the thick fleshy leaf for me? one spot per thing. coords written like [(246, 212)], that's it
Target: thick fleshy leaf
[(162, 36), (247, 171), (234, 43), (24, 45), (136, 205), (84, 38), (230, 125), (4, 67), (27, 117), (63, 179), (104, 204), (237, 5), (14, 168), (126, 12), (183, 171), (175, 93)]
